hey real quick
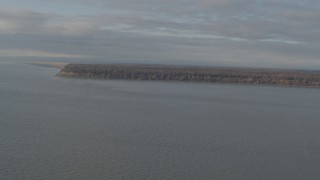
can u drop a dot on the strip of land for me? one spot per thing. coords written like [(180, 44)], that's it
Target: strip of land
[(58, 65), (300, 78)]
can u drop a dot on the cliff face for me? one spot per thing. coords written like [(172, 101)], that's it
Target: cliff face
[(196, 74)]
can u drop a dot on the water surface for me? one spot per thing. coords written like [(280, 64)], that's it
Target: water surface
[(54, 128)]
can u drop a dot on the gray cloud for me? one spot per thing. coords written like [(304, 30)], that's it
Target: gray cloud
[(266, 33), (19, 20)]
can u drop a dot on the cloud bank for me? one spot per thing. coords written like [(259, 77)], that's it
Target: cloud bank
[(254, 33)]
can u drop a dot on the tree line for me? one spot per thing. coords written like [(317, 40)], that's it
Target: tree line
[(193, 74)]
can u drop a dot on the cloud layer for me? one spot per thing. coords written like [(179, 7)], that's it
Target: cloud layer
[(259, 33)]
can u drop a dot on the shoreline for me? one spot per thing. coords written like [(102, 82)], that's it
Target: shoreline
[(57, 65), (191, 82), (241, 76)]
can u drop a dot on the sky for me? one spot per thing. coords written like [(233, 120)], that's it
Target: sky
[(237, 33)]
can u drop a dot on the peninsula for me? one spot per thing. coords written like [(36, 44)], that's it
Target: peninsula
[(281, 77)]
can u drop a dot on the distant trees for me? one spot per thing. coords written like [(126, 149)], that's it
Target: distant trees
[(196, 74)]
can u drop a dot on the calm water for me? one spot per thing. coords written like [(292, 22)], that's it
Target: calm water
[(53, 128)]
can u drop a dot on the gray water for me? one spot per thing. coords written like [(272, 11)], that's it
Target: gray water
[(54, 128)]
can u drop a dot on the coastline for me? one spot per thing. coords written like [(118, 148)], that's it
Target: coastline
[(57, 65), (241, 76)]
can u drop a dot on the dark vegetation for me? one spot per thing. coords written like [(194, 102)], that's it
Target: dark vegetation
[(194, 74)]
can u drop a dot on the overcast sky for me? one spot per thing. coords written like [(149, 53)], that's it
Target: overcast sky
[(246, 33)]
